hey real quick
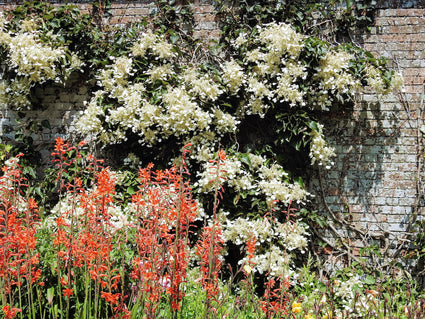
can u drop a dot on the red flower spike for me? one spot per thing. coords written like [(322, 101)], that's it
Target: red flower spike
[(10, 313)]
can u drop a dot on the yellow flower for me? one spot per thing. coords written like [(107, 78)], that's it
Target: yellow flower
[(296, 307), (247, 269), (308, 316), (328, 315)]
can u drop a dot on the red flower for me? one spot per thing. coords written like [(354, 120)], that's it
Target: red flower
[(250, 247), (10, 312), (109, 297), (67, 292)]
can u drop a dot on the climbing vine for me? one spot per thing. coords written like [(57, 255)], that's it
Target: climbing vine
[(259, 94)]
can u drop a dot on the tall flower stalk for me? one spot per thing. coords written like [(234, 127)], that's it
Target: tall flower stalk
[(18, 256), (211, 242), (165, 211)]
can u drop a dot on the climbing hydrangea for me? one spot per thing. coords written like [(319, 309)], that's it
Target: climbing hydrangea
[(320, 152), (274, 242), (30, 61)]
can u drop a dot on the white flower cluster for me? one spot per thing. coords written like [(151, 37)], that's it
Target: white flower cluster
[(15, 92), (90, 119), (335, 79), (160, 47), (281, 38), (333, 71), (270, 181), (71, 208), (276, 71), (346, 289), (240, 40), (291, 235), (294, 236), (275, 262), (240, 230), (320, 152), (375, 80), (213, 174), (275, 242), (32, 61), (259, 90), (177, 111), (233, 75), (275, 188), (183, 115), (160, 72), (202, 86)]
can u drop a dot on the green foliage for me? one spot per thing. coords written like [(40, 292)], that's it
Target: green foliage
[(336, 19)]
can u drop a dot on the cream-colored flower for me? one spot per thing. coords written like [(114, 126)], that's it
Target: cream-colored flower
[(145, 42), (163, 49), (320, 152), (233, 75), (333, 71), (282, 38), (28, 25)]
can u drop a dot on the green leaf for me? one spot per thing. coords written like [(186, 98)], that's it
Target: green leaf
[(50, 294), (313, 126), (174, 38), (369, 280), (244, 158), (46, 124), (30, 171)]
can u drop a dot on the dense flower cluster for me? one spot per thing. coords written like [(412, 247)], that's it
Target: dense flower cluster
[(320, 152), (19, 259), (233, 75), (282, 39), (262, 179), (155, 97), (279, 238), (375, 81), (333, 71), (179, 110), (30, 61)]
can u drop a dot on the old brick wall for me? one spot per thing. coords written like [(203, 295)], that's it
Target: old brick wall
[(376, 178), (123, 12), (374, 182)]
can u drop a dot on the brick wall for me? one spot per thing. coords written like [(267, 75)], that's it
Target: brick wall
[(58, 105), (123, 12), (374, 180)]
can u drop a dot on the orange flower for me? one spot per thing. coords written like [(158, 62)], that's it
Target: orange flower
[(374, 293), (221, 155), (250, 247), (67, 292), (109, 297), (64, 282), (10, 313)]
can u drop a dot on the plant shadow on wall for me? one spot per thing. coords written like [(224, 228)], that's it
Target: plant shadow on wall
[(366, 139)]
